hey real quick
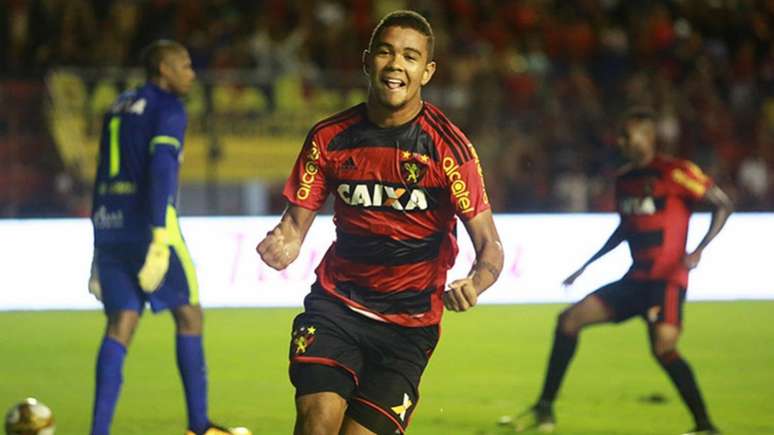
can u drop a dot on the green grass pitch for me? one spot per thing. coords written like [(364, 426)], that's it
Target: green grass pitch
[(489, 362)]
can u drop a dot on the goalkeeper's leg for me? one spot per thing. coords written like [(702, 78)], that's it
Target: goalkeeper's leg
[(191, 364), (109, 372)]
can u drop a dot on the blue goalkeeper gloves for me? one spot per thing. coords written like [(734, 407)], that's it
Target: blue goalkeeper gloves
[(156, 262)]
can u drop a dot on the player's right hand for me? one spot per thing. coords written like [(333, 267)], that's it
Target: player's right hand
[(571, 279), (277, 251), (95, 287), (156, 262)]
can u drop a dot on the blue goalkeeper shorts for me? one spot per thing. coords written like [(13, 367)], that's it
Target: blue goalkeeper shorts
[(118, 266)]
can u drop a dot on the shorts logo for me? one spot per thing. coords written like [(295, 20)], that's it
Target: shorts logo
[(401, 409), (303, 338)]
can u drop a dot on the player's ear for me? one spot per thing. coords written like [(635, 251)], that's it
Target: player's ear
[(164, 68), (364, 60), (427, 74)]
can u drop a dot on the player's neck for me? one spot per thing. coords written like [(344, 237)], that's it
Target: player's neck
[(386, 117), (645, 160), (162, 84)]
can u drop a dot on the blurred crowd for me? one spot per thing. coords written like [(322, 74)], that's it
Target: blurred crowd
[(537, 85)]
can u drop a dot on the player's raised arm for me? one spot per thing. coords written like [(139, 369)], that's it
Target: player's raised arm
[(463, 293), (612, 242), (722, 207), (281, 245)]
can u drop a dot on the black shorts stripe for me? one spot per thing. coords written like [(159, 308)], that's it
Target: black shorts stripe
[(453, 137), (639, 241), (409, 301), (386, 251)]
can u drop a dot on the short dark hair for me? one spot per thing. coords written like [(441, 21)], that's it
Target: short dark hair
[(407, 19), (154, 54)]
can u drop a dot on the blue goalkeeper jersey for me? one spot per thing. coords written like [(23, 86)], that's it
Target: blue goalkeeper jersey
[(137, 174)]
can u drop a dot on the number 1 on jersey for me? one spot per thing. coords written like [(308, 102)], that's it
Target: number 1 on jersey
[(115, 151)]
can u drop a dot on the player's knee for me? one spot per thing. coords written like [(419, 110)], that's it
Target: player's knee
[(189, 320), (121, 326), (319, 413), (664, 350), (568, 322)]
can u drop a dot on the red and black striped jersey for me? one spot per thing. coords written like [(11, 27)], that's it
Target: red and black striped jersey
[(655, 203), (397, 191)]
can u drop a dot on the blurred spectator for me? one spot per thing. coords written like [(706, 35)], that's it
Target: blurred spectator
[(536, 84)]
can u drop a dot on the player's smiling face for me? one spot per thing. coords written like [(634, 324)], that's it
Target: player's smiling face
[(398, 66)]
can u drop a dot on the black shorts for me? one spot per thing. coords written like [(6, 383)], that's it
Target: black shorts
[(375, 366), (655, 301)]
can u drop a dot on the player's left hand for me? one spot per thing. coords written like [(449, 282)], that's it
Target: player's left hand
[(95, 287), (154, 269), (461, 295), (692, 260)]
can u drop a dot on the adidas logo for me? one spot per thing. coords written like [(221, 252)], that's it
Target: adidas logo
[(349, 164)]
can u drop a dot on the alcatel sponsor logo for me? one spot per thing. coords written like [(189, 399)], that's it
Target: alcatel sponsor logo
[(458, 187), (311, 169)]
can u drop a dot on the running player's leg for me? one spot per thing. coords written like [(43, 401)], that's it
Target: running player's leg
[(191, 364), (589, 311), (123, 304), (664, 327), (319, 413), (325, 364), (609, 303), (388, 392)]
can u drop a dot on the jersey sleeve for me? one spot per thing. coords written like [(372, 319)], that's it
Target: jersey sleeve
[(170, 128), (464, 176), (689, 181), (165, 147), (307, 186)]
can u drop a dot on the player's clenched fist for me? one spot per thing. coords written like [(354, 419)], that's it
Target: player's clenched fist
[(461, 295), (277, 251)]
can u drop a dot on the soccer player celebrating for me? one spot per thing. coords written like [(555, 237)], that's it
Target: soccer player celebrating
[(654, 195), (399, 171), (139, 252)]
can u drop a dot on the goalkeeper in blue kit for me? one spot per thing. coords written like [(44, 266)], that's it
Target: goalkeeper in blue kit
[(139, 253)]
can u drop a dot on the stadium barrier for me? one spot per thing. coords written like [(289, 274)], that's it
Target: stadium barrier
[(46, 262)]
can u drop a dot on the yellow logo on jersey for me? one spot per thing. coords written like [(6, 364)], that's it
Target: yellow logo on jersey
[(310, 172)]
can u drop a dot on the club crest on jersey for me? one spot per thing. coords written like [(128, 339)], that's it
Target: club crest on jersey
[(303, 338), (412, 171), (383, 196)]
